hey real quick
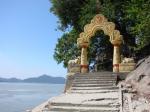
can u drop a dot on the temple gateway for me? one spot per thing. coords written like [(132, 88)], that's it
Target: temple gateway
[(99, 22)]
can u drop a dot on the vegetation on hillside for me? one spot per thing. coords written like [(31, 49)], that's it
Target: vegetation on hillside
[(132, 18)]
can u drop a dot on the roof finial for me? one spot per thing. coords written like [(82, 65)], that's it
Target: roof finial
[(98, 6)]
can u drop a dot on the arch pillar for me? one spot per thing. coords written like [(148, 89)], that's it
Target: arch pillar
[(116, 55), (84, 60), (99, 22), (116, 58)]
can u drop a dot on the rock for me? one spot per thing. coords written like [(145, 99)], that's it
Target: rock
[(139, 79), (133, 91), (128, 86), (141, 105)]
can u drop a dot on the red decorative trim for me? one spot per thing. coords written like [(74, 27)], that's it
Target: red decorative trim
[(115, 65), (116, 45), (84, 46), (84, 66)]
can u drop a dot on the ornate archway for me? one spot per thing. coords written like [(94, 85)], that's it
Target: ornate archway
[(99, 22)]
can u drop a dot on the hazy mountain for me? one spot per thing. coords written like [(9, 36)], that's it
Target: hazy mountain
[(40, 79), (9, 80), (46, 79)]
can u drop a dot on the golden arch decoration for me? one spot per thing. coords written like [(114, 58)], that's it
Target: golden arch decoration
[(99, 22)]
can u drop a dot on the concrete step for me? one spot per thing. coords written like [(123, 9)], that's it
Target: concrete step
[(92, 76), (83, 109), (89, 74), (92, 91), (95, 88), (98, 73), (95, 76), (94, 82), (98, 80), (101, 103), (88, 80), (101, 84), (95, 79), (92, 85)]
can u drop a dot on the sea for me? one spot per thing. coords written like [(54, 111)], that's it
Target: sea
[(19, 97)]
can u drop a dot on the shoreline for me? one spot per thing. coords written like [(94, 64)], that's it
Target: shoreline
[(38, 108)]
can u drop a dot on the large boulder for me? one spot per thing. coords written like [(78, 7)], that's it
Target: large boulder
[(140, 78)]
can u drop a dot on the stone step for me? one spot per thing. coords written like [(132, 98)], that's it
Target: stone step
[(94, 82), (100, 83), (83, 109), (100, 80), (98, 73), (92, 74), (95, 79), (84, 98), (88, 80), (95, 76), (101, 103), (95, 88), (92, 85), (104, 77), (92, 91)]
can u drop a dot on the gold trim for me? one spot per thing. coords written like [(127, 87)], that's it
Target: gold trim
[(99, 22)]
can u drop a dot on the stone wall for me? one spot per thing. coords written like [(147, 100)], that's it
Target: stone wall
[(69, 80)]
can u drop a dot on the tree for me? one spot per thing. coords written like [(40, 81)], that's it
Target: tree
[(66, 48), (138, 12), (130, 16), (68, 12)]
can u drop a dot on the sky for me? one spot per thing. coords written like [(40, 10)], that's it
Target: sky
[(27, 39)]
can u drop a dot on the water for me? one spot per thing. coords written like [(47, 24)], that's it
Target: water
[(18, 97)]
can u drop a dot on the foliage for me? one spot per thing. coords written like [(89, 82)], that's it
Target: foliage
[(138, 11), (67, 12), (66, 48), (132, 18), (100, 52)]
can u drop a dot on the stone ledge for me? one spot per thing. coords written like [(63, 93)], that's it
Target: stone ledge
[(126, 67)]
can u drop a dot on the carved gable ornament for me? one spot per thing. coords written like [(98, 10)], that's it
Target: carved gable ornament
[(99, 22)]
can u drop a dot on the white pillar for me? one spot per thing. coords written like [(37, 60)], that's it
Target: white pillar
[(116, 58), (84, 62)]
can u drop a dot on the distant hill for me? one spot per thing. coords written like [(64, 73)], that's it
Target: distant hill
[(40, 79), (10, 80)]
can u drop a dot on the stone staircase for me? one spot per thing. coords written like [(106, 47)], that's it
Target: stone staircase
[(94, 83), (90, 92)]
